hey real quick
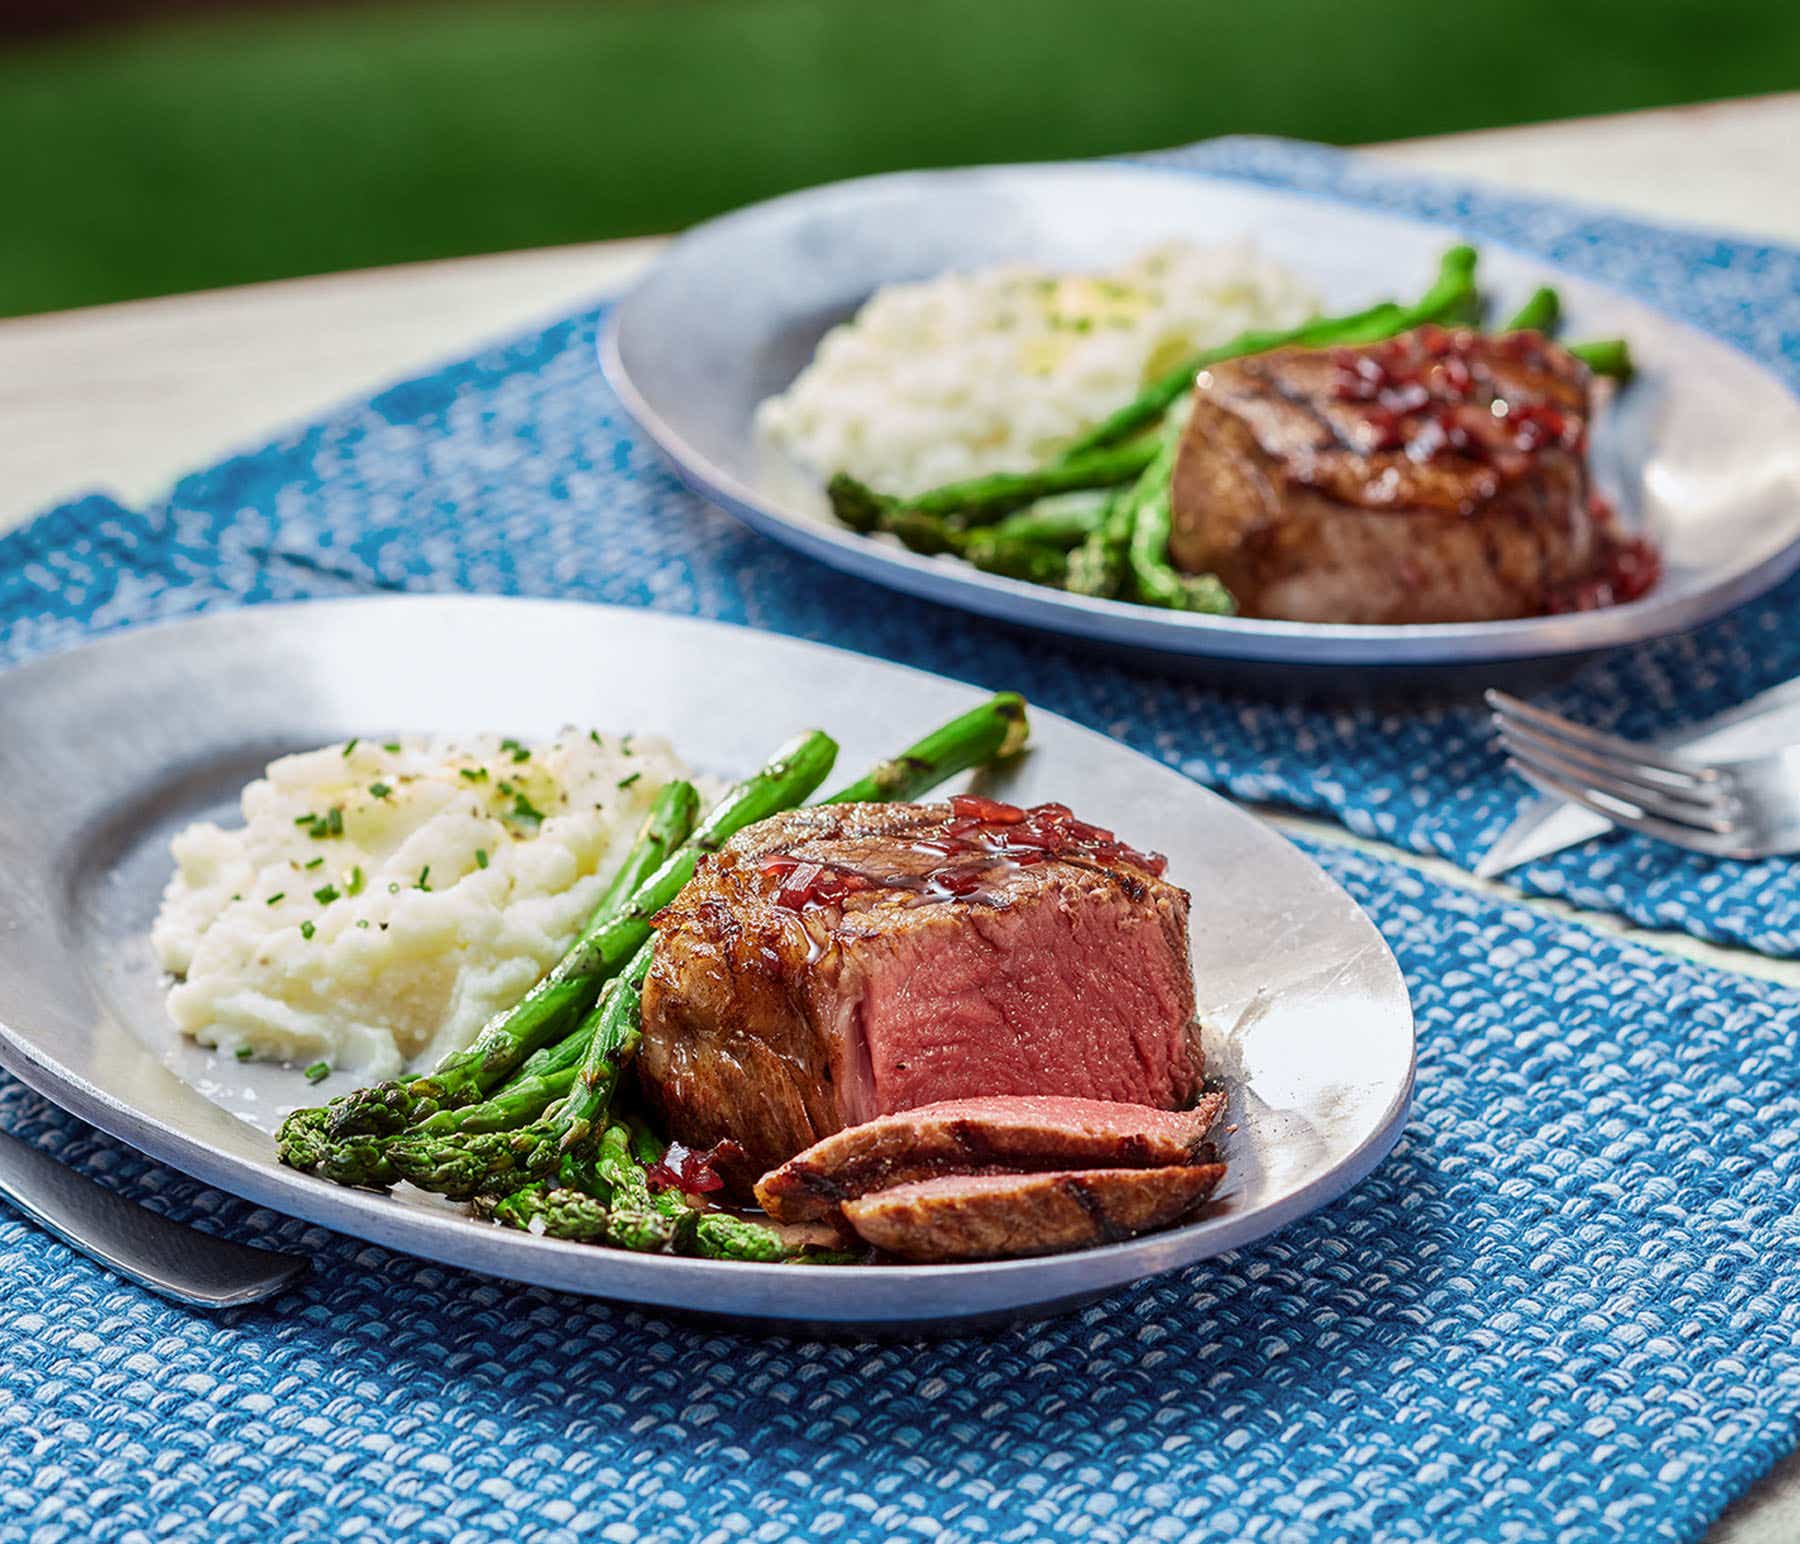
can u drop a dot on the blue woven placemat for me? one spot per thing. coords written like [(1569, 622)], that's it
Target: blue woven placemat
[(1567, 1308), (517, 471)]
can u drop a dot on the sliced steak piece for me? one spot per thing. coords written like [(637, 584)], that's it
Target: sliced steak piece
[(1001, 1216), (1021, 1133), (1436, 477), (838, 963)]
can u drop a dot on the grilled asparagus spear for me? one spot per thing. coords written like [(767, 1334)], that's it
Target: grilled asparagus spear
[(1154, 580), (554, 1210), (983, 500), (1097, 566), (1032, 544), (634, 1220)]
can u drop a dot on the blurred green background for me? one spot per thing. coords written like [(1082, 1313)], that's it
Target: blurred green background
[(150, 151)]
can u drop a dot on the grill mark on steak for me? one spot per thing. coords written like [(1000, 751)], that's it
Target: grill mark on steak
[(1106, 1230), (1329, 435)]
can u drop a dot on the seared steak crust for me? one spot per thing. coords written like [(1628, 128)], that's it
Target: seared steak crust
[(1437, 477), (979, 1136), (838, 963), (1000, 1216)]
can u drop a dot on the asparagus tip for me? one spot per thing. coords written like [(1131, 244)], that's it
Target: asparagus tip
[(1606, 356), (1460, 259), (300, 1141), (855, 503)]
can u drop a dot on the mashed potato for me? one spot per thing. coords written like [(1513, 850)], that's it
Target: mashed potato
[(382, 899), (996, 371)]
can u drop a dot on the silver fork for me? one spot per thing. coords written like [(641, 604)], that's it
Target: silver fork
[(1745, 808)]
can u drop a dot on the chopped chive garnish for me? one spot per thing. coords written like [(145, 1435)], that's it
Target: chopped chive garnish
[(393, 887), (392, 745), (625, 746), (307, 930), (522, 810), (517, 751), (350, 745), (325, 894), (312, 863), (424, 880), (504, 786), (244, 1052), (279, 895), (318, 1072), (474, 774), (380, 790), (594, 735), (353, 885), (481, 857), (363, 922), (331, 823), (626, 782)]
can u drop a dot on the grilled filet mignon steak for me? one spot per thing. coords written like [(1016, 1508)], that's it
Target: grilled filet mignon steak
[(842, 962), (996, 1216), (1023, 1134), (1436, 477)]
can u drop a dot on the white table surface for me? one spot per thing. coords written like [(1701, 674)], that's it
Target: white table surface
[(125, 398)]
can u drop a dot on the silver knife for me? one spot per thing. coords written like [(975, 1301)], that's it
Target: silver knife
[(1768, 721), (154, 1251)]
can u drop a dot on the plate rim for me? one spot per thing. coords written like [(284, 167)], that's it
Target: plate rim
[(1246, 639), (657, 1282)]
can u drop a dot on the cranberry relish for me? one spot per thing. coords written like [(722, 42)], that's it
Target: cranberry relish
[(983, 835), (1430, 394)]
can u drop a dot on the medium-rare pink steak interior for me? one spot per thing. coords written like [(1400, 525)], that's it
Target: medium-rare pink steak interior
[(999, 1216), (843, 962), (1435, 477), (1022, 1133)]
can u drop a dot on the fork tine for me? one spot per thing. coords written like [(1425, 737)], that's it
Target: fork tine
[(1699, 801), (1612, 746), (1692, 839), (1642, 801)]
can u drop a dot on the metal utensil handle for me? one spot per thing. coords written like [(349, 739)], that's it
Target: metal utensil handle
[(168, 1257)]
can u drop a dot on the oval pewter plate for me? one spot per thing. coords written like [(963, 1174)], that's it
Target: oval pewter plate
[(1703, 451), (113, 747)]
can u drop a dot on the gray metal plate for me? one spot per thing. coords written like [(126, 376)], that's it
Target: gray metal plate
[(109, 749), (1703, 451)]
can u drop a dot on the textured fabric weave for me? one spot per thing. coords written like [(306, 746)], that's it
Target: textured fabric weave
[(1567, 1308)]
